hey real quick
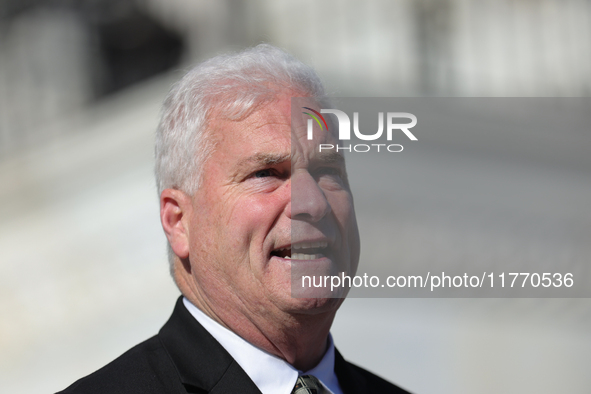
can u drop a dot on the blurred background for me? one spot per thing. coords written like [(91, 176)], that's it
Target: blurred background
[(83, 270)]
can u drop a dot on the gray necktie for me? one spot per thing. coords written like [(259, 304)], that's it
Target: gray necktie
[(308, 384)]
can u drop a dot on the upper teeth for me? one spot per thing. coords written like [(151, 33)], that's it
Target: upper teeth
[(305, 245), (309, 245)]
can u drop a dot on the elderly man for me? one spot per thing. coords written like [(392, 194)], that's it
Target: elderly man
[(245, 199)]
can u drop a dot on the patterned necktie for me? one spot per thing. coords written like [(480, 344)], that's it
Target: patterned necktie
[(308, 384)]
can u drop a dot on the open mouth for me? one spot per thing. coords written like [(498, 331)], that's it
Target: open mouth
[(302, 251)]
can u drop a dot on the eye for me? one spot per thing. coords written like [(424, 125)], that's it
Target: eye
[(330, 177), (263, 173)]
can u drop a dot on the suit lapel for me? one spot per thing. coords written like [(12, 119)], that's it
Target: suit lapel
[(235, 380), (351, 381), (202, 363)]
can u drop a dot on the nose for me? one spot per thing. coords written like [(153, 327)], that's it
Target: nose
[(308, 201)]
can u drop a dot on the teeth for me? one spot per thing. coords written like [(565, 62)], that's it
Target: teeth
[(309, 245), (302, 246), (304, 256)]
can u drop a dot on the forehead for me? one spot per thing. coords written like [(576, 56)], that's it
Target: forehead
[(270, 120), (270, 128)]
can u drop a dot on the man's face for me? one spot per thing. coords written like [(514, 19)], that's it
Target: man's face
[(267, 202)]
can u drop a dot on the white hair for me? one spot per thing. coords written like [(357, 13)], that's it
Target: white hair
[(233, 85)]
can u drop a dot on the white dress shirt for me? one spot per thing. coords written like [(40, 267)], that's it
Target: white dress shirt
[(269, 373)]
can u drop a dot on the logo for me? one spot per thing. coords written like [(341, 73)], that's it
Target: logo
[(344, 122), (310, 135)]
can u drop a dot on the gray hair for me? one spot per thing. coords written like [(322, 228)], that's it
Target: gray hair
[(234, 86)]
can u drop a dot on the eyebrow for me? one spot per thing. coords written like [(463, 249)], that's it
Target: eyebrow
[(264, 159), (330, 157), (268, 159)]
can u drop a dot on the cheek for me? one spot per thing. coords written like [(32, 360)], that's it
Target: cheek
[(341, 203), (252, 219), (344, 212)]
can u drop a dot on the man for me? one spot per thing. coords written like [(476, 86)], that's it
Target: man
[(245, 201)]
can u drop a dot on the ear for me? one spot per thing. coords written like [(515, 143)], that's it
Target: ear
[(175, 209)]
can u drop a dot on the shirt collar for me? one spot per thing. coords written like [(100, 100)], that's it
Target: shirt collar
[(269, 373)]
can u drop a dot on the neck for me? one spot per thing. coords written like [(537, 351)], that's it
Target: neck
[(299, 338)]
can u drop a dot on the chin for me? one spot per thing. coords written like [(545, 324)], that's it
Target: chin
[(297, 300), (312, 306)]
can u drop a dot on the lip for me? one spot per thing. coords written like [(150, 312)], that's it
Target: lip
[(318, 268), (312, 240)]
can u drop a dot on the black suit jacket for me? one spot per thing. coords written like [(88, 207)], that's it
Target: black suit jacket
[(185, 358)]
